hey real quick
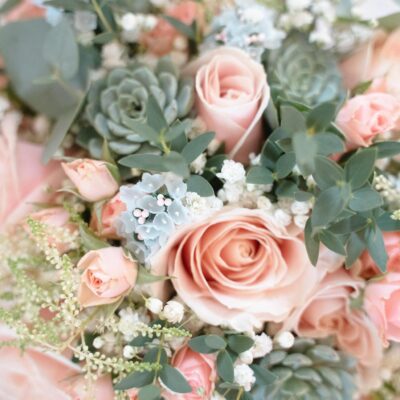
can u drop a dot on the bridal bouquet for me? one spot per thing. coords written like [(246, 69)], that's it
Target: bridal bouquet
[(200, 200)]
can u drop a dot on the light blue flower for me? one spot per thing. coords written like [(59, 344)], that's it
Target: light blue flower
[(150, 183), (138, 249), (130, 195), (149, 203), (126, 224), (176, 187), (164, 223), (178, 212)]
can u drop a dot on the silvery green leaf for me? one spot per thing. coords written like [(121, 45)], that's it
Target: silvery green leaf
[(323, 353), (329, 143), (200, 186), (305, 149), (387, 149), (171, 112), (123, 147), (196, 146), (147, 162), (296, 360), (169, 85), (185, 100), (60, 49), (320, 117), (259, 176), (376, 247), (360, 166), (308, 374), (173, 379), (295, 386), (330, 375), (327, 173), (292, 120), (365, 199)]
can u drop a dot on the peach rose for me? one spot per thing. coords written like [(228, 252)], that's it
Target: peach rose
[(55, 217), (24, 180), (327, 312), (231, 96), (382, 302), (92, 178), (379, 61), (364, 117), (34, 375), (160, 40), (110, 211), (237, 268), (366, 267), (108, 274)]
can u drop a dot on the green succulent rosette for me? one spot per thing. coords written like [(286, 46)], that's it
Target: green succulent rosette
[(117, 105), (301, 72), (309, 370)]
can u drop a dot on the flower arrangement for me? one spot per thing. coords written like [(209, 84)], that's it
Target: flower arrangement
[(199, 199)]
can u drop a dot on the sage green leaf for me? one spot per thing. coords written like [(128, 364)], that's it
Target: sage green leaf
[(296, 360), (176, 130), (8, 5), (328, 205), (355, 246), (200, 186), (324, 353), (140, 128), (89, 240), (147, 162), (263, 376), (199, 345), (332, 242), (215, 342), (176, 163), (149, 392), (320, 117), (360, 166), (259, 176), (135, 379), (365, 199), (361, 88), (186, 30), (156, 355), (387, 149), (285, 164), (387, 223), (174, 380), (327, 173), (60, 49), (155, 115), (376, 247), (144, 277), (311, 242), (196, 146), (329, 143), (69, 5), (305, 149), (240, 343), (292, 120), (225, 366), (390, 22)]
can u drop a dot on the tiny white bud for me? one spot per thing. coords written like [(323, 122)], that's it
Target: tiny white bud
[(129, 352), (98, 342), (173, 312), (285, 339), (262, 345), (246, 357), (282, 217), (244, 376), (154, 305)]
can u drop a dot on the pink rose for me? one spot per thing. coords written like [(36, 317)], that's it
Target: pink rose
[(24, 180), (160, 40), (327, 312), (237, 268), (92, 178), (366, 267), (34, 375), (108, 274), (110, 211), (364, 117), (231, 96), (378, 61), (56, 217), (382, 302)]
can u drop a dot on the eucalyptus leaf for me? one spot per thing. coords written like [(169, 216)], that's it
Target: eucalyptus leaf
[(292, 120), (305, 149), (365, 199), (360, 166), (89, 240), (332, 242), (174, 380), (196, 146), (355, 246), (155, 116), (135, 379), (387, 223), (327, 173), (259, 176), (387, 149), (176, 163), (225, 366), (376, 247), (186, 30), (285, 164), (199, 345), (240, 343), (320, 117), (200, 186), (149, 392), (144, 277), (147, 162)]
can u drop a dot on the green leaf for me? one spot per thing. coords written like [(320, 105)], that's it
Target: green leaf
[(200, 186), (365, 199), (292, 120), (285, 164), (60, 49), (225, 366), (328, 205), (186, 30), (156, 355), (176, 130), (176, 163), (140, 341), (89, 240), (387, 149), (390, 22), (9, 5), (174, 380), (332, 242), (155, 116), (240, 343), (145, 277), (215, 342), (141, 128), (259, 176), (199, 345), (327, 173), (387, 223), (149, 392), (321, 116), (263, 376), (147, 162), (329, 143), (60, 129), (104, 38), (355, 246), (305, 149), (135, 379), (196, 146), (376, 247), (69, 5), (360, 167), (361, 88)]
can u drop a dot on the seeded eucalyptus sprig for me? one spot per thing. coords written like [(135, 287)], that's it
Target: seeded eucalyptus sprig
[(349, 215)]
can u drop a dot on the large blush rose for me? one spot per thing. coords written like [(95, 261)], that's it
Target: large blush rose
[(231, 96), (327, 313), (35, 375), (237, 268), (379, 61), (24, 179), (382, 302), (108, 274)]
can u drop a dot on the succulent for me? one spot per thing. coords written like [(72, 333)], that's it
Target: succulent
[(302, 72), (117, 104), (310, 370)]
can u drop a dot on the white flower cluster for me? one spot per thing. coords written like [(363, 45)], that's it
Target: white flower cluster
[(173, 311), (244, 376), (262, 346), (389, 188), (235, 190), (133, 25), (131, 322), (201, 207)]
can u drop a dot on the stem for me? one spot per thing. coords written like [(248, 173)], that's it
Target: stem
[(239, 395), (160, 347), (163, 143), (101, 15)]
